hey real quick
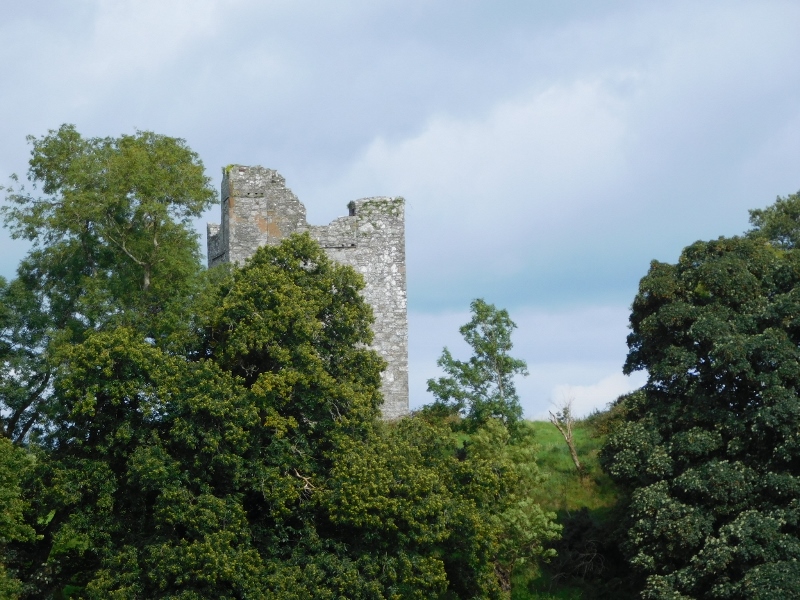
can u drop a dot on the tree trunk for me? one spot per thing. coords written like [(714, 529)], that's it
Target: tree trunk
[(563, 422)]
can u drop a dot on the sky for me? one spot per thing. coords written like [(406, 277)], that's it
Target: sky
[(547, 151)]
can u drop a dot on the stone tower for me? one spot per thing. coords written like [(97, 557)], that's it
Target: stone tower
[(258, 209)]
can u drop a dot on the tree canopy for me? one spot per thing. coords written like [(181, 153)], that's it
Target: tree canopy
[(109, 222), (255, 466), (193, 476), (710, 447)]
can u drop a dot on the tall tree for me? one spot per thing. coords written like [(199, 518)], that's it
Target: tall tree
[(482, 387), (110, 230), (709, 450), (109, 219), (174, 474)]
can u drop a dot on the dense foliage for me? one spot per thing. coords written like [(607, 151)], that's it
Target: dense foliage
[(15, 465), (188, 434), (710, 448), (108, 219)]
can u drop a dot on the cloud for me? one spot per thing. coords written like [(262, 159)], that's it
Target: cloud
[(547, 136), (144, 36), (503, 193), (645, 141), (587, 398)]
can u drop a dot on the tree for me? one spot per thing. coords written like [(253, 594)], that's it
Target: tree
[(482, 387), (197, 474), (111, 233), (564, 421), (112, 246), (779, 223), (709, 450), (499, 527), (14, 465)]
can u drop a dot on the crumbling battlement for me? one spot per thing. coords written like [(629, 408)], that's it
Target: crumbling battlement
[(258, 209)]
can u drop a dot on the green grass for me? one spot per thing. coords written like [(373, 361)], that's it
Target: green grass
[(564, 492)]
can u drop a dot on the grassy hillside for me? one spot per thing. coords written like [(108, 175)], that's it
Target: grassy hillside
[(583, 506), (564, 491)]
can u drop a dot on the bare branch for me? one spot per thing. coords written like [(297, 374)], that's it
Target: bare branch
[(307, 485)]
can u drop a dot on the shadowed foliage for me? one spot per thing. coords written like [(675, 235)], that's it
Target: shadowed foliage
[(709, 448)]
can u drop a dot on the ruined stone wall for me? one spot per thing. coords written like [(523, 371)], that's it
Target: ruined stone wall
[(258, 209)]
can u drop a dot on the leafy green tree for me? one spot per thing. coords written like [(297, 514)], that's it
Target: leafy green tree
[(14, 465), (24, 373), (195, 476), (779, 223), (146, 478), (709, 448), (109, 219), (482, 387), (500, 527), (111, 228), (456, 517)]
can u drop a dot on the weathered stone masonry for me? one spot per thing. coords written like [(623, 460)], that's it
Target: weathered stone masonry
[(258, 209)]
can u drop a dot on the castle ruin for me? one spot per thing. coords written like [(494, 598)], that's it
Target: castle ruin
[(258, 209)]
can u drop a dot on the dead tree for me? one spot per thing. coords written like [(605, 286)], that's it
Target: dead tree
[(564, 421)]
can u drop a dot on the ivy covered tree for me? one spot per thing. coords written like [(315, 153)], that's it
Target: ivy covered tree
[(709, 449), (482, 387)]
